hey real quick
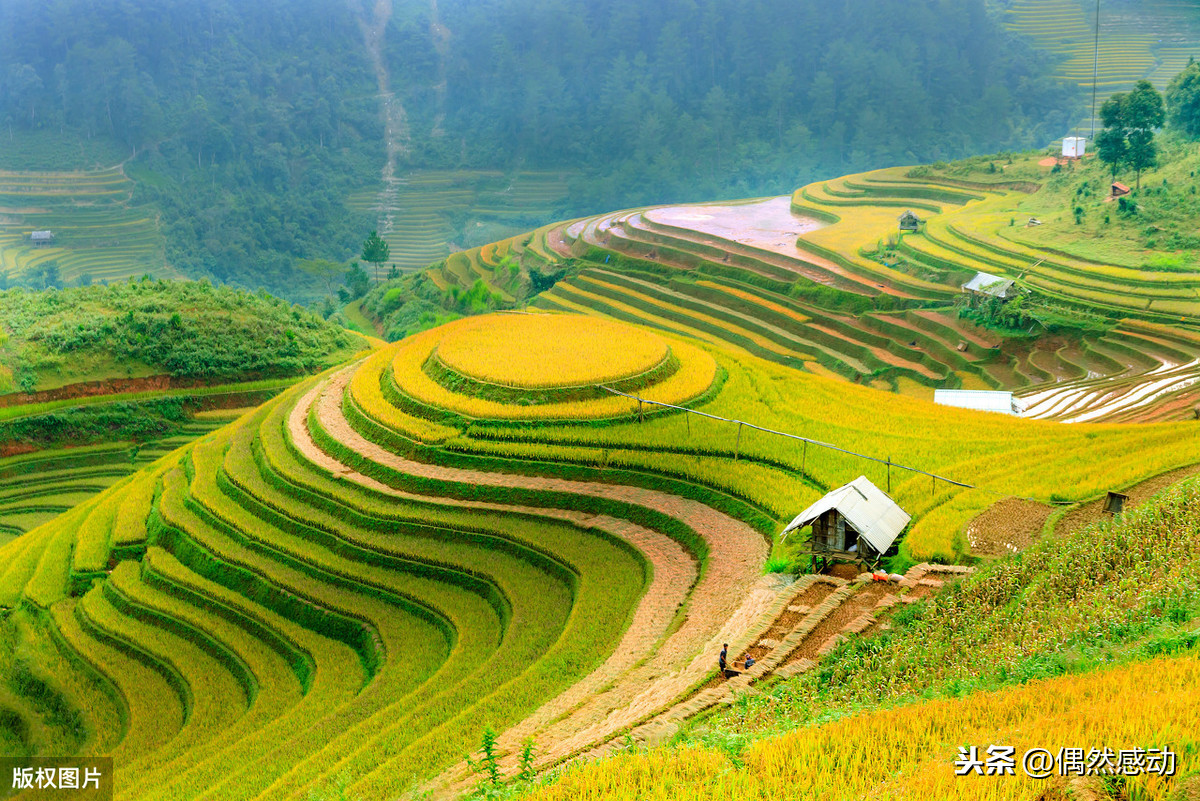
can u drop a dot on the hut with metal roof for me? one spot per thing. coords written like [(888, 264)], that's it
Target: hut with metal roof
[(993, 285), (856, 522), (41, 238)]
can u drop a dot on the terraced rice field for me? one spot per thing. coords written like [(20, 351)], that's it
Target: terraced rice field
[(98, 233), (258, 579), (1151, 39), (425, 205), (346, 585), (805, 282), (38, 487)]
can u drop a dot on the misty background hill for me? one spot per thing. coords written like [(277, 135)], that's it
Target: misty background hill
[(247, 126)]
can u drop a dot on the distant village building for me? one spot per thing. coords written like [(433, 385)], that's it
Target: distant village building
[(1119, 189), (1074, 146), (909, 221), (993, 285), (981, 400), (856, 522), (41, 238)]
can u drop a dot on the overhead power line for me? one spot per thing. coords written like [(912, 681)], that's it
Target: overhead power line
[(740, 423), (1095, 72)]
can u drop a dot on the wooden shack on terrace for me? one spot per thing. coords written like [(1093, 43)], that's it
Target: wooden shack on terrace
[(41, 238), (993, 285), (857, 522), (909, 221)]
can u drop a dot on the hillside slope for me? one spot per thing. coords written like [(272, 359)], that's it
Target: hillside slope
[(1096, 628), (97, 382), (341, 588)]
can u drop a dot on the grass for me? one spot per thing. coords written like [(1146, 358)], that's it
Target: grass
[(1085, 637)]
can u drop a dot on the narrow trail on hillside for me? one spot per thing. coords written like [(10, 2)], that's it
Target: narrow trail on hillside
[(441, 45), (659, 659), (396, 134)]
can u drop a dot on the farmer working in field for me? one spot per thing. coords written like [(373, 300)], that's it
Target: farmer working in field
[(721, 658)]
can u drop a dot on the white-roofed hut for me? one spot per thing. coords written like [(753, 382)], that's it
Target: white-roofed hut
[(994, 285), (857, 522)]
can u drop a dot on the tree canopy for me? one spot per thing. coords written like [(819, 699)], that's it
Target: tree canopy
[(376, 251), (1183, 100), (1130, 120), (248, 125)]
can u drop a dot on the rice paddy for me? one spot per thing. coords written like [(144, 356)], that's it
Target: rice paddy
[(1152, 39), (349, 583), (99, 233), (429, 206)]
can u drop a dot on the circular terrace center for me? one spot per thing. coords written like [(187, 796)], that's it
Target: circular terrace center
[(545, 351)]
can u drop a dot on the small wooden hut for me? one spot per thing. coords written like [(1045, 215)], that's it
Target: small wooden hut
[(1119, 189), (857, 522), (909, 221), (41, 238), (993, 285)]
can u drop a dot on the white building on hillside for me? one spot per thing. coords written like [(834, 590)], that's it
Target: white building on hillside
[(981, 400)]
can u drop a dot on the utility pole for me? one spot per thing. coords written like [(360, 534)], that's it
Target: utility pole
[(1095, 72)]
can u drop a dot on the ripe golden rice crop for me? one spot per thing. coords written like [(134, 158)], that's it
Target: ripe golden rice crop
[(696, 373), (549, 350), (366, 392), (910, 752)]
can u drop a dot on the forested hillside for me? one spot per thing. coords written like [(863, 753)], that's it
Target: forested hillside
[(723, 98), (249, 125), (245, 123)]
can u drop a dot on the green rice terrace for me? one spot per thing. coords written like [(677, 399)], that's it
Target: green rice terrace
[(98, 382), (41, 485), (508, 522), (99, 233), (826, 282), (1151, 39), (431, 213), (345, 586)]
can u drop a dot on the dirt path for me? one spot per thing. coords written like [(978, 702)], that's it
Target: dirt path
[(647, 672), (1138, 494), (396, 135), (441, 44), (1008, 526)]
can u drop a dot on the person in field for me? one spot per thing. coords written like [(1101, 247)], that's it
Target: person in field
[(749, 662), (721, 658)]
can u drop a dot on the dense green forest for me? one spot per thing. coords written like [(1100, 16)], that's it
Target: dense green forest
[(698, 99), (247, 124)]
